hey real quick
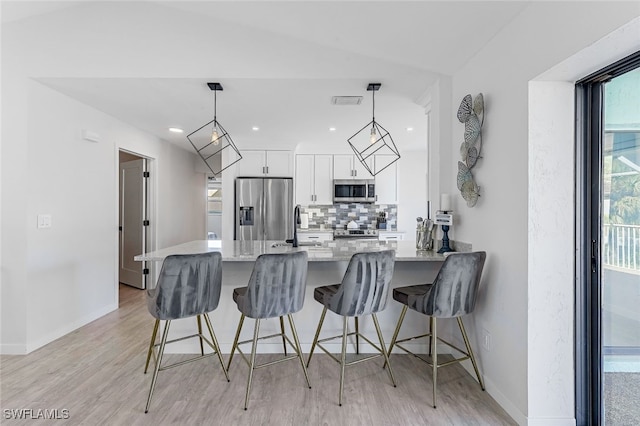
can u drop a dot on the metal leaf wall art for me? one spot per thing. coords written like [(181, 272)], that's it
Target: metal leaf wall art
[(471, 114)]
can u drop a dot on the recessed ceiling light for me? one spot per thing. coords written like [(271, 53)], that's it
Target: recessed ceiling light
[(176, 130), (332, 129), (409, 129), (255, 128)]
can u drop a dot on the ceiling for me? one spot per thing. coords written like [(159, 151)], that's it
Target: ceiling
[(279, 62)]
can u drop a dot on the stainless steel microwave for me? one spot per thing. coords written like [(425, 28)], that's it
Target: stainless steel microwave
[(354, 191)]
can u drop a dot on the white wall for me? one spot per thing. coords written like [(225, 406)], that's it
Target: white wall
[(412, 191), (523, 298), (58, 279)]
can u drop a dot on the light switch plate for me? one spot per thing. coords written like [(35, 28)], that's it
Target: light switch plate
[(44, 221)]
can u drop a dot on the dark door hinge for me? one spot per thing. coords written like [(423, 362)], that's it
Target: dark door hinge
[(145, 271), (145, 223), (145, 174), (594, 252)]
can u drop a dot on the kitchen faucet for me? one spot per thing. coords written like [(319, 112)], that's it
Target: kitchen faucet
[(296, 222)]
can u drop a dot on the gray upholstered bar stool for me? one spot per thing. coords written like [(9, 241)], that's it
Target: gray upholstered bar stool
[(276, 288), (363, 291), (452, 294), (188, 286)]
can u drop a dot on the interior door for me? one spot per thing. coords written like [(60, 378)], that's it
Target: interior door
[(132, 216)]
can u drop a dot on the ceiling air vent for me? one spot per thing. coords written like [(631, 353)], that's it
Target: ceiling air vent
[(346, 100)]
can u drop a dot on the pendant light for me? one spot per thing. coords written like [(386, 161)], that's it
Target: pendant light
[(211, 140), (373, 144)]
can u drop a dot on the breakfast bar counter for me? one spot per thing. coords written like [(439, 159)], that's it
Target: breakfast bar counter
[(327, 265), (330, 251)]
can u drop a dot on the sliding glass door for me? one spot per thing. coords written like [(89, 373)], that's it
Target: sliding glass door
[(609, 309)]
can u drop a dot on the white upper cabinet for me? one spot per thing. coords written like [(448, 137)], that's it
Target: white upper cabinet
[(314, 184), (266, 163), (386, 180), (348, 166)]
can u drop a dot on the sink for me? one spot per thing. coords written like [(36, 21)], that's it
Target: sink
[(281, 245), (301, 244)]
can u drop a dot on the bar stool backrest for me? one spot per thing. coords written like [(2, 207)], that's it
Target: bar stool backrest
[(188, 285), (277, 285), (365, 284), (455, 288)]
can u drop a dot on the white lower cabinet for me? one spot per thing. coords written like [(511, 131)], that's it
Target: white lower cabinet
[(390, 236), (319, 237)]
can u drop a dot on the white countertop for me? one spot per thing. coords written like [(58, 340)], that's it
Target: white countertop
[(330, 251)]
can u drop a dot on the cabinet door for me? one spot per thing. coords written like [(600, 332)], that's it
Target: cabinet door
[(359, 171), (279, 164), (252, 163), (386, 181), (323, 179), (343, 166), (390, 236), (318, 237), (304, 179)]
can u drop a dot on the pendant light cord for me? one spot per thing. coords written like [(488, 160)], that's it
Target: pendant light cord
[(373, 111), (215, 104)]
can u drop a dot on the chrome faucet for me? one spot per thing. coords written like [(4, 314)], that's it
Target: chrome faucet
[(296, 222)]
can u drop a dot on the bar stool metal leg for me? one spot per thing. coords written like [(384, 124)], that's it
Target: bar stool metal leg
[(163, 342), (200, 334), (253, 362), (235, 341), (357, 336), (343, 358), (315, 339), (430, 331), (284, 341), (395, 333), (216, 345), (298, 349), (434, 359), (470, 352), (382, 346), (153, 341)]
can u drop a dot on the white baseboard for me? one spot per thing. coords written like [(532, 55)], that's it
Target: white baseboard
[(68, 328), (552, 421), (13, 349)]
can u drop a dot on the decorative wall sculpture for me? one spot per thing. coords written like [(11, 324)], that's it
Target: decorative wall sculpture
[(471, 114)]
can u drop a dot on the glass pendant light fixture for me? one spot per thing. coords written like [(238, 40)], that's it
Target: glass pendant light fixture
[(211, 140), (374, 148)]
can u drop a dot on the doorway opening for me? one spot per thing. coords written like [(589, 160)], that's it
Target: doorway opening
[(134, 219), (608, 292)]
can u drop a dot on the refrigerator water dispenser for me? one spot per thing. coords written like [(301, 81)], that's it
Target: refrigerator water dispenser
[(246, 216)]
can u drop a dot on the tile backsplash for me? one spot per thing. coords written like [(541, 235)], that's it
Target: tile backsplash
[(338, 215)]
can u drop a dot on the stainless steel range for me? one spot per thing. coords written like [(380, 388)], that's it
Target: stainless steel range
[(355, 234)]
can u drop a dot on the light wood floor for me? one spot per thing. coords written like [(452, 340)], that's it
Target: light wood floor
[(96, 373)]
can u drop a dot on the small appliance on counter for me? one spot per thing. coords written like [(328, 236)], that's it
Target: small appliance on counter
[(424, 234), (381, 222), (304, 221)]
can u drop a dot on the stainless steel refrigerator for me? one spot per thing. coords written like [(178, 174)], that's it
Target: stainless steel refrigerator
[(264, 208)]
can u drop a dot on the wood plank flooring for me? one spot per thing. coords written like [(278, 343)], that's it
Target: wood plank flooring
[(96, 373)]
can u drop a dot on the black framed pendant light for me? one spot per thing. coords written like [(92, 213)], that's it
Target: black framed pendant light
[(211, 140), (373, 139)]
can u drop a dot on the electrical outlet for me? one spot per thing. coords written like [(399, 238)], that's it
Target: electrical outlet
[(44, 221), (486, 340)]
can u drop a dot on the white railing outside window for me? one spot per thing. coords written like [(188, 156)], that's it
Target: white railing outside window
[(621, 246)]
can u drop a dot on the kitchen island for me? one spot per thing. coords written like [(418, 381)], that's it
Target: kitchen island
[(327, 264)]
